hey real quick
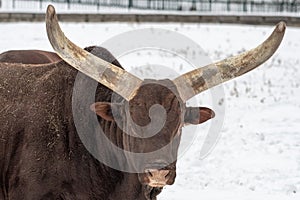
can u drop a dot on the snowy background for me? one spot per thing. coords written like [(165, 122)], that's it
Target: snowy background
[(35, 6), (258, 153)]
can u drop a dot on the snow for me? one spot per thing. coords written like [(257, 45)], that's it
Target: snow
[(257, 156)]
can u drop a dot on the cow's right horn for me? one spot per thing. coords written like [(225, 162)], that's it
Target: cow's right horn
[(113, 77), (201, 79)]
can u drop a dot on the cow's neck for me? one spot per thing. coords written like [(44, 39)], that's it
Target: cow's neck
[(130, 186)]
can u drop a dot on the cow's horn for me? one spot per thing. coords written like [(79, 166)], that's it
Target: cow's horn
[(118, 80), (211, 75)]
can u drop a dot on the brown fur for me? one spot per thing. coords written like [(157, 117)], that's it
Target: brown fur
[(41, 154), (42, 157)]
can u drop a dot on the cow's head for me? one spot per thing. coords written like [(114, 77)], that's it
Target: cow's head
[(147, 103), (153, 119)]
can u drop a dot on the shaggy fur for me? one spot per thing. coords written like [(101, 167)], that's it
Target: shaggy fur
[(41, 155)]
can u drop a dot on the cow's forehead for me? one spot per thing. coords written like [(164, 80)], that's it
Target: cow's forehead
[(156, 99), (157, 89)]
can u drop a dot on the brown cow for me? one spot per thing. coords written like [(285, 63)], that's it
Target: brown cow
[(42, 154)]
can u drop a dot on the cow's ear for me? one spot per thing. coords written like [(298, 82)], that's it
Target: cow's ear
[(105, 110), (198, 115)]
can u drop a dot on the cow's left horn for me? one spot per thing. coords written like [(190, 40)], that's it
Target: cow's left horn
[(211, 75), (113, 77)]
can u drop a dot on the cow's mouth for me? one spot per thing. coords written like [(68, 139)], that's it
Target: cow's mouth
[(151, 192)]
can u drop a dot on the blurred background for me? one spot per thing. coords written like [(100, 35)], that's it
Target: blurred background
[(242, 6)]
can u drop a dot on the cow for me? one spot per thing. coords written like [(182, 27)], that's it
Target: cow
[(42, 155)]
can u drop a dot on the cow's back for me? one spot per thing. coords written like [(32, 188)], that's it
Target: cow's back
[(29, 57)]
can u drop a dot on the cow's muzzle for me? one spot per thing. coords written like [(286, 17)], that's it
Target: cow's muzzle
[(158, 177)]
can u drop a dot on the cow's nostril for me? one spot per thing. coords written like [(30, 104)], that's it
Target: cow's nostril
[(168, 175), (148, 172)]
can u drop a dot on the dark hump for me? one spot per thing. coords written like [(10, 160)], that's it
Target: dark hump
[(103, 93), (104, 54)]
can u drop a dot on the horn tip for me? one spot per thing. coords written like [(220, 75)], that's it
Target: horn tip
[(50, 10), (281, 26)]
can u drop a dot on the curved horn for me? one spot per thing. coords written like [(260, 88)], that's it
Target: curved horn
[(211, 75), (113, 77)]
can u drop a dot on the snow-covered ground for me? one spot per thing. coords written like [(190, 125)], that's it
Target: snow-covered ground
[(257, 156)]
